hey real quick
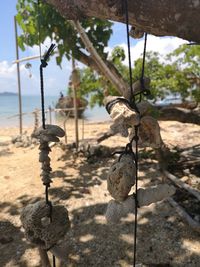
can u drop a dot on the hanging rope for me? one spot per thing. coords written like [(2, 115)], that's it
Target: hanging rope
[(135, 138), (43, 65), (143, 59), (132, 100)]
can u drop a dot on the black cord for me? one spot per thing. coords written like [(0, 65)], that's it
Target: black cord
[(136, 194), (143, 59), (129, 50), (42, 96), (43, 65), (132, 100)]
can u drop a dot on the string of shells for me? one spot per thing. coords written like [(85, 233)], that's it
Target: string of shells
[(45, 226), (122, 174)]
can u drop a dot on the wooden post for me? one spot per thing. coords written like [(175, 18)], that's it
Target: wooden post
[(50, 115), (18, 79), (75, 108), (83, 124)]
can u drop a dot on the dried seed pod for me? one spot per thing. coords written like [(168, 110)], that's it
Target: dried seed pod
[(137, 87), (121, 177), (38, 229), (136, 33), (149, 133), (123, 117), (117, 210)]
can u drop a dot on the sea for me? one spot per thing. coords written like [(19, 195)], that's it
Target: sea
[(9, 110)]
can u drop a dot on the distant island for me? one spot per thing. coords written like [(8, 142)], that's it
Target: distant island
[(7, 94)]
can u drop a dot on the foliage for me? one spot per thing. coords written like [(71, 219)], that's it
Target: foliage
[(188, 62), (177, 74), (40, 22), (95, 85)]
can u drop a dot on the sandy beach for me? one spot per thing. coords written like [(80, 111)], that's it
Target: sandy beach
[(80, 185)]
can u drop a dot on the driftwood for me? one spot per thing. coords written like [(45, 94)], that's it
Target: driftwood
[(183, 115), (181, 184), (104, 136), (187, 163), (192, 223)]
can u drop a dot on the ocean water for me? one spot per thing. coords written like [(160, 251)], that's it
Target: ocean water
[(9, 110)]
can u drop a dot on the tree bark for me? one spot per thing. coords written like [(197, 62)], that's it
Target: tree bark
[(179, 18)]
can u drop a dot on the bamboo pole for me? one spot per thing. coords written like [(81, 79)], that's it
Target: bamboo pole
[(75, 108), (25, 59), (18, 78)]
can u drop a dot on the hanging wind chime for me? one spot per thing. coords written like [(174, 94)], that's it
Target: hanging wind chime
[(145, 131), (45, 224)]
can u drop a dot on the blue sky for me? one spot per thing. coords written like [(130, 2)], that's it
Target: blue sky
[(56, 79)]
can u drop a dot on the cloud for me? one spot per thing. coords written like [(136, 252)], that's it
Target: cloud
[(162, 45), (8, 76), (55, 78)]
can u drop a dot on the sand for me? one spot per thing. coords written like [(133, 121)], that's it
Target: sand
[(80, 185)]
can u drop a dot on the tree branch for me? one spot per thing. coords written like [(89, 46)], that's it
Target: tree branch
[(162, 18), (120, 85)]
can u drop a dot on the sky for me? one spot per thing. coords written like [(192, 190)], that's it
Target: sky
[(56, 79)]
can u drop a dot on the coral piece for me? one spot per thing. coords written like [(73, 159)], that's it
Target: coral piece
[(154, 194), (38, 228), (149, 133), (117, 210), (123, 117), (121, 177)]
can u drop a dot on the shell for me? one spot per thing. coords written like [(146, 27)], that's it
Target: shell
[(121, 177), (48, 138), (49, 130), (38, 229)]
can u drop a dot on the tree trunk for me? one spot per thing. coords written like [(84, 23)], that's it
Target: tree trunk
[(179, 114), (179, 18)]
